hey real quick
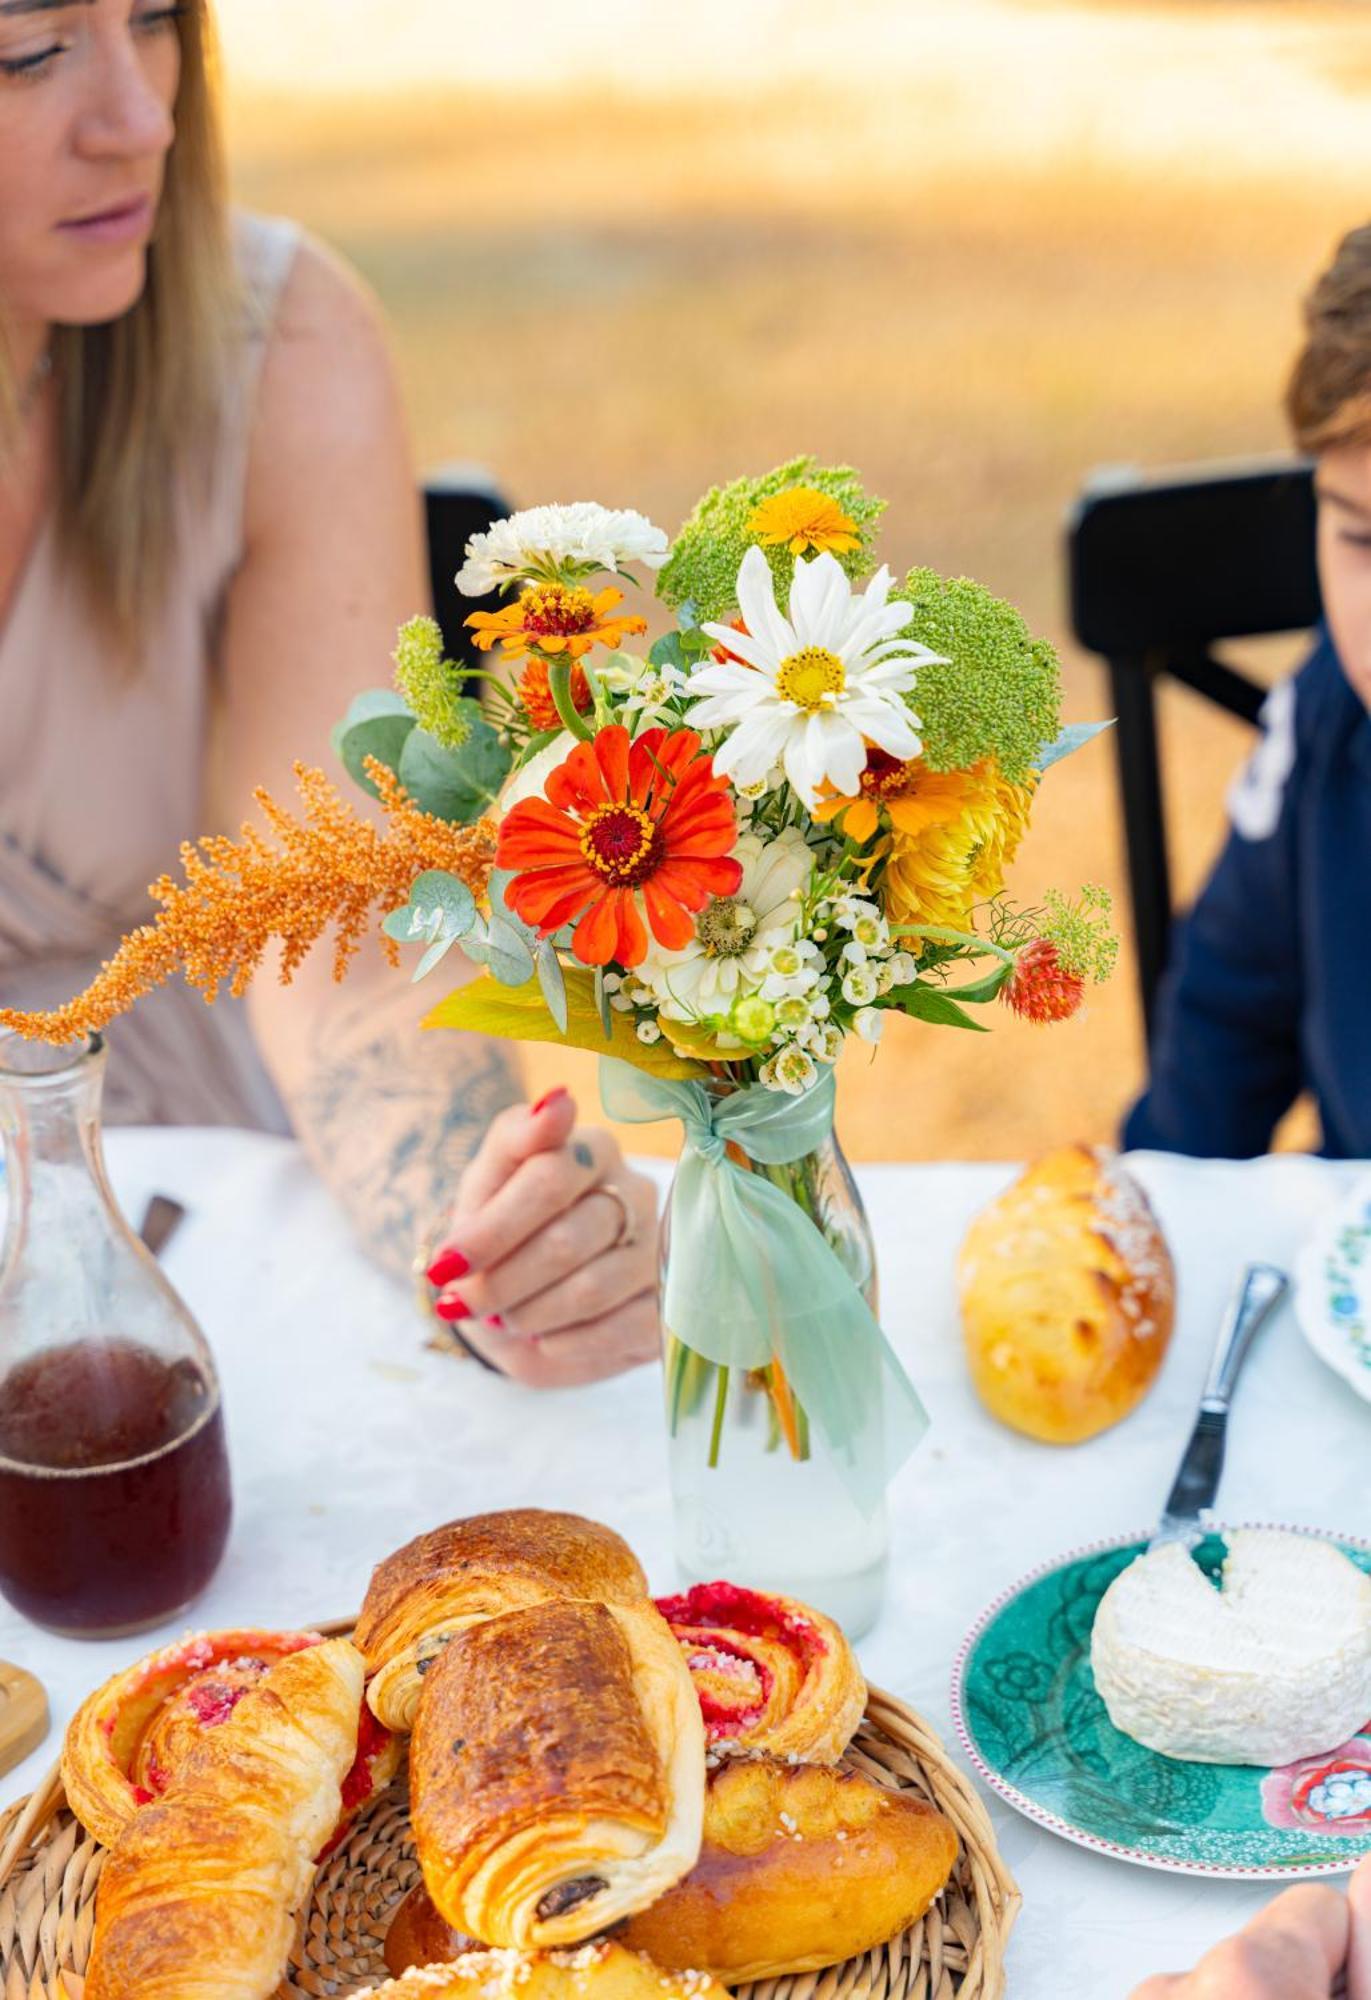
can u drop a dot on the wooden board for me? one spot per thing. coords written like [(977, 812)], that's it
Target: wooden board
[(23, 1715)]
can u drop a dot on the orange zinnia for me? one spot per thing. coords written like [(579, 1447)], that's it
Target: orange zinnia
[(536, 696), (913, 797), (555, 618), (622, 821)]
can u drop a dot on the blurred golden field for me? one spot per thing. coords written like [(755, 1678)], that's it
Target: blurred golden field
[(974, 250)]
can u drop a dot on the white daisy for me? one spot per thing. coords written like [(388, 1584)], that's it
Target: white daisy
[(559, 543), (811, 690), (736, 935)]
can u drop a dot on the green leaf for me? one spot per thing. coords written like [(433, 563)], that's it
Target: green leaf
[(1073, 737), (520, 1014), (602, 1003), (441, 909), (668, 651), (552, 982), (378, 724), (982, 990), (930, 1003), (509, 956), (457, 785)]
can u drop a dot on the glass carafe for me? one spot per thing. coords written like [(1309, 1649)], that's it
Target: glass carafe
[(114, 1484)]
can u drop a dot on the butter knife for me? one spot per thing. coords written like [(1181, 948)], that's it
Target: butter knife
[(1197, 1479)]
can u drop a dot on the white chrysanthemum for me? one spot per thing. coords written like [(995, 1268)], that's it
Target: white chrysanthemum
[(736, 935), (558, 542), (811, 690)]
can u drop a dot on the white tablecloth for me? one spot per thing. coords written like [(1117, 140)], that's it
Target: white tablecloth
[(348, 1437)]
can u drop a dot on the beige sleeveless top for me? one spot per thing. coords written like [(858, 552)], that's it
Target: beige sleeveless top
[(102, 778)]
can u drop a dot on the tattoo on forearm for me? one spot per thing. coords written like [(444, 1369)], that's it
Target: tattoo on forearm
[(393, 1115)]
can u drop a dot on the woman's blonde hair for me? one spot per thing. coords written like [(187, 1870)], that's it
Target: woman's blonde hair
[(139, 398), (1328, 400)]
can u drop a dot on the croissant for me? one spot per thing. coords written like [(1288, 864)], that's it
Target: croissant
[(471, 1570), (200, 1897), (601, 1971), (802, 1866), (771, 1673), (130, 1737), (556, 1771)]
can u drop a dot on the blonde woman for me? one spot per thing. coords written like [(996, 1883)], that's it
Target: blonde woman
[(209, 531)]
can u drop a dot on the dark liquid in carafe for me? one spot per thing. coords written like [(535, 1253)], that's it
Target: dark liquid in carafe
[(114, 1486)]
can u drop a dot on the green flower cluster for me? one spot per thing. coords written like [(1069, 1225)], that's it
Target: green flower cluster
[(702, 569), (431, 684), (1081, 932), (999, 695)]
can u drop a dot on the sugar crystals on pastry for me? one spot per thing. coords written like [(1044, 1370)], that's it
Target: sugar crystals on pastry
[(127, 1740), (771, 1673)]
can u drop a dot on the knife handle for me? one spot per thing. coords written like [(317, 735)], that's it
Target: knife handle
[(1262, 1287)]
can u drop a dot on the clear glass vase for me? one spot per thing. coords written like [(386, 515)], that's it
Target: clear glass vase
[(758, 1498), (114, 1482)]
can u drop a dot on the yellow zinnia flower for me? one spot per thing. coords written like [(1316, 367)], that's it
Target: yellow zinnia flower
[(802, 518), (939, 873), (552, 618)]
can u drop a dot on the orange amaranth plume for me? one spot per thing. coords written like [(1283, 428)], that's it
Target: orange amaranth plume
[(329, 867)]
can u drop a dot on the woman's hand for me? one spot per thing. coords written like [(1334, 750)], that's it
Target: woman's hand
[(552, 1276), (1309, 1944)]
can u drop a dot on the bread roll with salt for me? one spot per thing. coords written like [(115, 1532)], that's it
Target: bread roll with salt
[(1068, 1297)]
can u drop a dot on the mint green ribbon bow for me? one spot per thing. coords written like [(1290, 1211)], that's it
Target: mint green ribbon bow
[(751, 1275)]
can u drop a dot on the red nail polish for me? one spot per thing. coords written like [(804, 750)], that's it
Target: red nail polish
[(551, 1098), (495, 1320), (447, 1265), (452, 1308)]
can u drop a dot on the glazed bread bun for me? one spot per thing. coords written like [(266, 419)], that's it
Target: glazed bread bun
[(1068, 1297), (803, 1866)]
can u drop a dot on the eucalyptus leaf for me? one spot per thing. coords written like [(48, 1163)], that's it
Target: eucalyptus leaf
[(455, 785), (1073, 737), (509, 957), (602, 1004), (441, 909), (378, 724), (553, 984)]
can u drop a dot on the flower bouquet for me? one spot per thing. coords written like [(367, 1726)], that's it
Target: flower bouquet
[(715, 859)]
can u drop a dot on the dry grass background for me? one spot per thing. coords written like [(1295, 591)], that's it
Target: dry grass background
[(989, 272)]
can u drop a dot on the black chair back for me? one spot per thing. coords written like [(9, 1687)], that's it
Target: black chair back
[(1160, 568), (459, 501)]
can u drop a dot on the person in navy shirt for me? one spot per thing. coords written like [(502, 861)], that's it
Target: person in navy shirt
[(1269, 989)]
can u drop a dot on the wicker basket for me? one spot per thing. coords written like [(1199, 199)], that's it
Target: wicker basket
[(49, 1870)]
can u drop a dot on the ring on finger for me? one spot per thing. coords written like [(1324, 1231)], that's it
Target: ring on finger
[(628, 1222)]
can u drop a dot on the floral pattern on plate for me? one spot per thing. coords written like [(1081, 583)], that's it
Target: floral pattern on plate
[(1331, 1793), (1030, 1718)]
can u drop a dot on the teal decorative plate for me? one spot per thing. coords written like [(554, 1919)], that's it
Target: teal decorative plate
[(1028, 1715), (1333, 1290)]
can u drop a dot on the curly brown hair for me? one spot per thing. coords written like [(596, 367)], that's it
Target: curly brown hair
[(1328, 398)]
